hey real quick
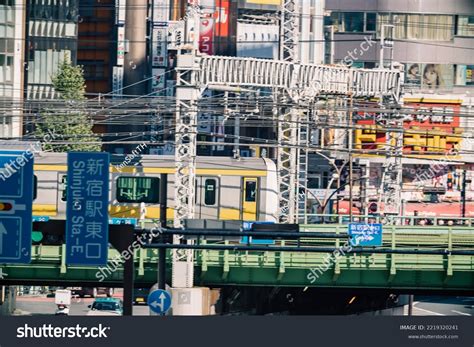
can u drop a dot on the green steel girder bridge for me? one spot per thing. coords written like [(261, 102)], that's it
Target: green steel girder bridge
[(411, 257)]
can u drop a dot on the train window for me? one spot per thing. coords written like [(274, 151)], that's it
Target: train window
[(64, 188), (35, 187), (210, 194), (138, 189), (250, 191)]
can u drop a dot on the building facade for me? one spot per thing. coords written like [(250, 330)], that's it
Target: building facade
[(51, 37), (11, 66), (434, 42)]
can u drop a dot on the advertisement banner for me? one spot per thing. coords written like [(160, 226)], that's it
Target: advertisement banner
[(120, 45), (221, 17), (430, 76), (175, 34), (160, 47), (161, 12), (117, 81), (432, 129), (206, 36), (158, 82), (120, 15)]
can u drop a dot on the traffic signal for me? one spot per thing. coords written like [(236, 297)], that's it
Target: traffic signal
[(5, 206), (373, 208)]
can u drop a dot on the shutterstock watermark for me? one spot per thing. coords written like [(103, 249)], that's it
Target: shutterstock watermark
[(114, 264), (128, 159), (351, 57), (15, 165), (329, 260), (48, 331)]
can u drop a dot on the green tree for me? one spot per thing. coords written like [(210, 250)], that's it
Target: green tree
[(69, 122)]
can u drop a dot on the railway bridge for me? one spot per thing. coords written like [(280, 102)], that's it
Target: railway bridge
[(410, 258)]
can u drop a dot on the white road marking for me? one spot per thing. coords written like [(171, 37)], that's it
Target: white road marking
[(461, 313), (427, 311)]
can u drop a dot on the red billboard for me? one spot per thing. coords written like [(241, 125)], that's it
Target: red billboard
[(206, 36), (432, 129)]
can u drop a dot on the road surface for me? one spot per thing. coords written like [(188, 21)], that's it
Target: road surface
[(41, 305), (443, 306)]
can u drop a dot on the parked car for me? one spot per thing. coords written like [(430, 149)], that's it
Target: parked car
[(92, 292), (140, 296), (106, 307)]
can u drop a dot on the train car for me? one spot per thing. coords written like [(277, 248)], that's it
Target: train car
[(226, 188)]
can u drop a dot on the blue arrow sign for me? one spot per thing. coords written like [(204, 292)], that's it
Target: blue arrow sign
[(363, 234), (159, 301), (16, 199), (87, 226)]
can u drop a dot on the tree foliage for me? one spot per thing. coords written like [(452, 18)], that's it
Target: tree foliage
[(71, 124)]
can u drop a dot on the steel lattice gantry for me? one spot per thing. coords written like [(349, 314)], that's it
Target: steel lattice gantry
[(293, 82), (187, 94)]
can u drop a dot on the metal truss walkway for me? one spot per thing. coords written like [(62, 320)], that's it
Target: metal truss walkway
[(301, 78), (426, 258)]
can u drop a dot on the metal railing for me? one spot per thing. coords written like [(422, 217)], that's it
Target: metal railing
[(317, 218)]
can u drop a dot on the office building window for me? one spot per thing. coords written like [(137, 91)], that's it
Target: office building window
[(370, 21), (353, 22), (418, 26), (465, 26)]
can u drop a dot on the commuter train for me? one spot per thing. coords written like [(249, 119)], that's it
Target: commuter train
[(226, 188)]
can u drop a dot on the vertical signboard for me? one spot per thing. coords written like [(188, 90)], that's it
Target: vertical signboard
[(120, 45), (160, 49), (161, 12), (222, 18), (206, 36), (117, 81), (120, 14), (206, 27), (158, 82), (87, 225)]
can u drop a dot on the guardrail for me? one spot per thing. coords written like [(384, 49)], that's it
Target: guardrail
[(398, 220)]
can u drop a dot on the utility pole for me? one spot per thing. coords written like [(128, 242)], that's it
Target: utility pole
[(391, 184), (463, 194), (288, 119), (187, 94), (351, 178), (135, 64)]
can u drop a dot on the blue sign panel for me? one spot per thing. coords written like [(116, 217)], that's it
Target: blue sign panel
[(159, 301), (40, 218), (247, 226), (121, 221), (364, 234), (87, 226), (16, 206)]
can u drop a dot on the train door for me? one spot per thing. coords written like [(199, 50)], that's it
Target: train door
[(249, 199), (207, 197), (61, 196)]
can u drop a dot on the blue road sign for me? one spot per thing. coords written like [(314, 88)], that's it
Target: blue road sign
[(121, 221), (364, 234), (245, 239), (87, 226), (159, 301), (16, 206), (40, 218)]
